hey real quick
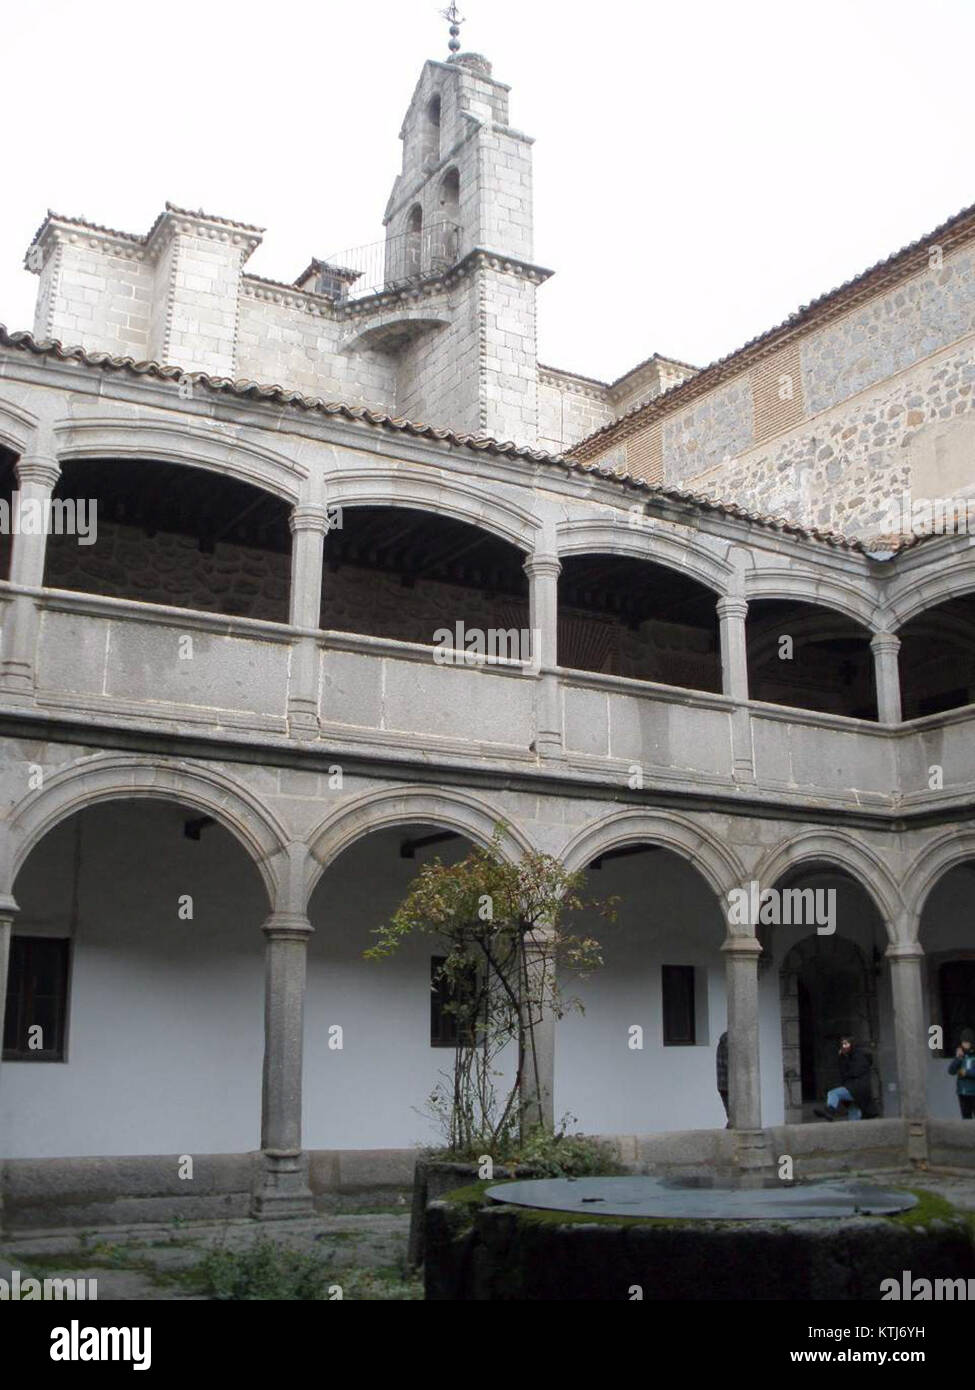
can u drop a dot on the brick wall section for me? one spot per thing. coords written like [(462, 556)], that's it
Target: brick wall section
[(777, 396), (644, 455)]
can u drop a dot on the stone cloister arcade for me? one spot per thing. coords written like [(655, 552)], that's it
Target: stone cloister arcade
[(272, 767)]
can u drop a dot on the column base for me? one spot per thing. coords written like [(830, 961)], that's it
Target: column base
[(303, 721), (283, 1190), (917, 1143), (752, 1157), (549, 746), (17, 682)]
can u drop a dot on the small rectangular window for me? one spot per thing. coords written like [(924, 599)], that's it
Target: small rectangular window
[(37, 1000), (446, 1028), (678, 1005)]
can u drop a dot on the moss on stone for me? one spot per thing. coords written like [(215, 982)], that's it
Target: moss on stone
[(930, 1207)]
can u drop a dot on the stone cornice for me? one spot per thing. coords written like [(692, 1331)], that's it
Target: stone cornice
[(274, 292), (579, 385), (172, 221)]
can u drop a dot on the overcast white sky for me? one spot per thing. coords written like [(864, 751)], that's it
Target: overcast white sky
[(702, 168)]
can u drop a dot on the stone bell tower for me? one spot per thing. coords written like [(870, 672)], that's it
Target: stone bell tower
[(460, 215)]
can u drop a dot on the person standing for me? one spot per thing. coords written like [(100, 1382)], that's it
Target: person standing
[(854, 1088), (963, 1067), (721, 1071)]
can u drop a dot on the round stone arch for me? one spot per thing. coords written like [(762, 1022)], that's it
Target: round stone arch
[(824, 590), (435, 494), (376, 810), (834, 848), (704, 851), (122, 777), (929, 866), (17, 428), (911, 593), (687, 555), (187, 444)]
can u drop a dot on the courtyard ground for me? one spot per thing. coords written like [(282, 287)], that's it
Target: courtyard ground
[(363, 1251)]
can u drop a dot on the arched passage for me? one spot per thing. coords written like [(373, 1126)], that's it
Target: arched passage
[(641, 1058), (375, 1048), (400, 572), (937, 658), (823, 974), (173, 534), (8, 485), (628, 617), (810, 657), (137, 951), (945, 934)]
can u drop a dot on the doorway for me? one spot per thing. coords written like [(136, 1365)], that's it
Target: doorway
[(828, 991)]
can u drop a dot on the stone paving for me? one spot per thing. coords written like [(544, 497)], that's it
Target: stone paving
[(367, 1250)]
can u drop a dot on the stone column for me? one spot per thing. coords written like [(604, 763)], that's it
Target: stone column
[(309, 523), (744, 1092), (284, 1189), (910, 1028), (732, 612), (885, 646), (537, 1081), (37, 476), (543, 581), (8, 911), (734, 652)]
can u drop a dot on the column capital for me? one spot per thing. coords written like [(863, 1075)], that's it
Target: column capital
[(309, 516), (287, 926), (885, 642), (542, 566), (38, 468), (742, 946), (8, 907), (904, 950), (729, 607)]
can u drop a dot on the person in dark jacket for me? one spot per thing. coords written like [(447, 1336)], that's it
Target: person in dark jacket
[(721, 1072), (963, 1067), (854, 1088)]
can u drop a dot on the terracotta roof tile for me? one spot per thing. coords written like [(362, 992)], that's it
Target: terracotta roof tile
[(26, 342)]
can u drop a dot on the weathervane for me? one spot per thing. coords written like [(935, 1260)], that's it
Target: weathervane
[(455, 19)]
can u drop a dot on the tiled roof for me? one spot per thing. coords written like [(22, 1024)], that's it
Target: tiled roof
[(26, 342), (902, 263)]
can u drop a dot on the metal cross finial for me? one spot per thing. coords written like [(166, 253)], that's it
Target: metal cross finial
[(455, 19)]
